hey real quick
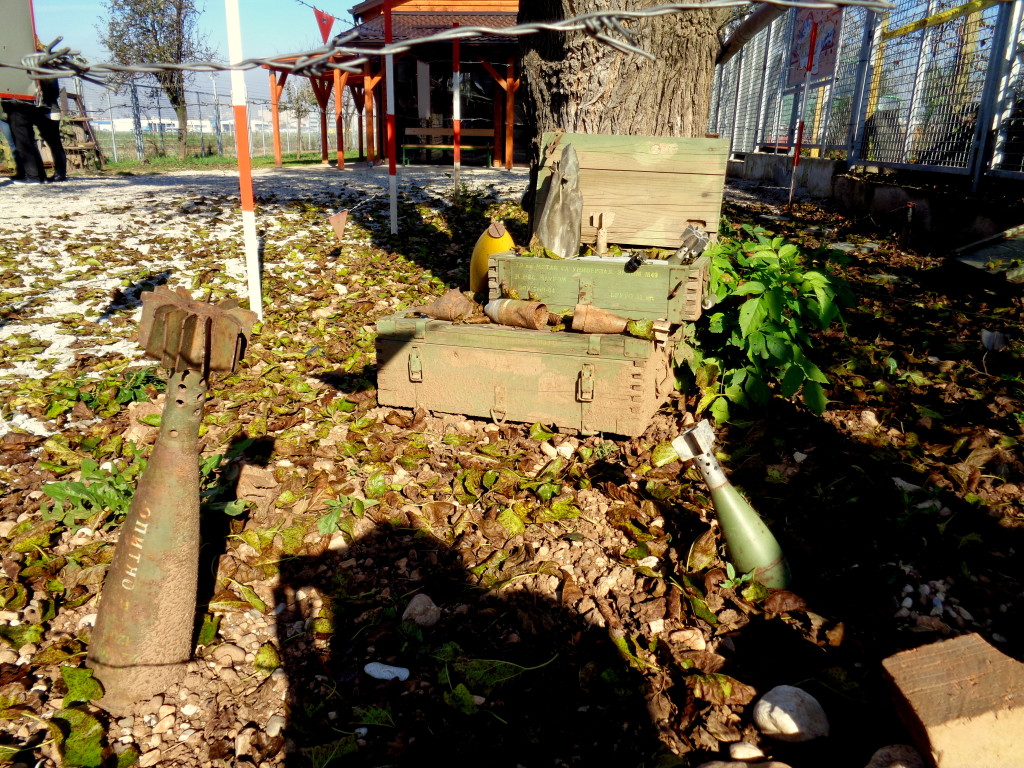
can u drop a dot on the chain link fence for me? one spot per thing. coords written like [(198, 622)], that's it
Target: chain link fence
[(137, 123), (934, 85)]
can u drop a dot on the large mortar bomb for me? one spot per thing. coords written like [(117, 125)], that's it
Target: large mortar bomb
[(144, 628)]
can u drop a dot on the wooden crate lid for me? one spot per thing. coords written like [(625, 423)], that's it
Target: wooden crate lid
[(652, 186)]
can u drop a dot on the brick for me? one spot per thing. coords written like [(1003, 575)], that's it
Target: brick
[(963, 701)]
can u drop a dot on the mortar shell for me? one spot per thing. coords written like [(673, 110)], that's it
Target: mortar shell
[(452, 306), (590, 319), (518, 313)]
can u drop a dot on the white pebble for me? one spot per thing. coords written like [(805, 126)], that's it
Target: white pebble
[(787, 713), (908, 602), (275, 725), (422, 611), (380, 671), (743, 750)]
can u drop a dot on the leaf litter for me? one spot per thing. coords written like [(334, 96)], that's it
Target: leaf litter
[(587, 614)]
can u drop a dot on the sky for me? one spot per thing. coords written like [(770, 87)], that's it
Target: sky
[(269, 27)]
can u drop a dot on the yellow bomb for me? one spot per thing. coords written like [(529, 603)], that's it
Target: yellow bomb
[(494, 240)]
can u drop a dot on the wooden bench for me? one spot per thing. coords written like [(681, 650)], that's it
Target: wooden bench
[(487, 148), (437, 137)]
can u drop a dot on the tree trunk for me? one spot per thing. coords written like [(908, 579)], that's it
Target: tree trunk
[(182, 113), (579, 85)]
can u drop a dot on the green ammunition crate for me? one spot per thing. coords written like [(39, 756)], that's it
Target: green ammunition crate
[(646, 190), (595, 383), (655, 291)]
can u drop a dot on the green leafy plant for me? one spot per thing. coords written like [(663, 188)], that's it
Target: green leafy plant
[(756, 344), (100, 496), (107, 396), (333, 521), (735, 580)]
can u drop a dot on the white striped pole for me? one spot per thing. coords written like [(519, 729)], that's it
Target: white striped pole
[(456, 110), (242, 152), (389, 74)]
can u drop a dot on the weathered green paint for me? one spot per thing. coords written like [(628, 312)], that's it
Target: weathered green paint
[(143, 633), (655, 291), (591, 382), (648, 187), (750, 545)]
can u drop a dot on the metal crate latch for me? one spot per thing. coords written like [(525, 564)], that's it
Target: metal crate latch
[(500, 409), (415, 365), (585, 384)]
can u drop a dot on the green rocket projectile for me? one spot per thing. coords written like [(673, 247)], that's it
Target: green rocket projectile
[(750, 545)]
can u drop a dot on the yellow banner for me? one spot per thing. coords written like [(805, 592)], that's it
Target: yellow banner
[(941, 18)]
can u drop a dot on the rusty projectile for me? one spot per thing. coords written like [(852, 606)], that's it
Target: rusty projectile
[(144, 627)]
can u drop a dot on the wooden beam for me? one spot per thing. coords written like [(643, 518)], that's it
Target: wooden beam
[(276, 87), (359, 99), (321, 86), (340, 78), (493, 72), (368, 84), (511, 83)]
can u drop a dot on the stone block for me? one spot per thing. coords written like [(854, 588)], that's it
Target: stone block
[(963, 701)]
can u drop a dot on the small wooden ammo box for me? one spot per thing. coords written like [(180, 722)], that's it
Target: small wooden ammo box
[(645, 191)]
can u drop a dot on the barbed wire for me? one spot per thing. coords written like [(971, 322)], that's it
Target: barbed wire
[(604, 26)]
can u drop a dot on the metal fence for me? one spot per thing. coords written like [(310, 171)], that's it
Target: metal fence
[(137, 122), (934, 85)]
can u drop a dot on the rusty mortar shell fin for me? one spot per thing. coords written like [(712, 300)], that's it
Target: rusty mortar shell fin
[(188, 335)]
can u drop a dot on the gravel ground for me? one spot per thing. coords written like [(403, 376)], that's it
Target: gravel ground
[(551, 640)]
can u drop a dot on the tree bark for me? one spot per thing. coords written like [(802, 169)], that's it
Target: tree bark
[(579, 85)]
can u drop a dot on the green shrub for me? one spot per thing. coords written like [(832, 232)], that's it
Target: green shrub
[(754, 345)]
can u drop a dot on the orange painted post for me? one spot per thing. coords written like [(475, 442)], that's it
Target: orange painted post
[(510, 109), (275, 116), (369, 82), (340, 79)]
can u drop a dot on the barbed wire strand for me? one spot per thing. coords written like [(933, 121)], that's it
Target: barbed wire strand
[(604, 26)]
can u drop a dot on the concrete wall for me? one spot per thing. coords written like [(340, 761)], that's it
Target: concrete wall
[(938, 218), (814, 174)]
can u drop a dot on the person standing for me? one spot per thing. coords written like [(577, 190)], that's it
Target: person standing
[(25, 117), (48, 123), (21, 117)]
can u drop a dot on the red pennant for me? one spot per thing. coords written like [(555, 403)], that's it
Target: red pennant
[(325, 21)]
